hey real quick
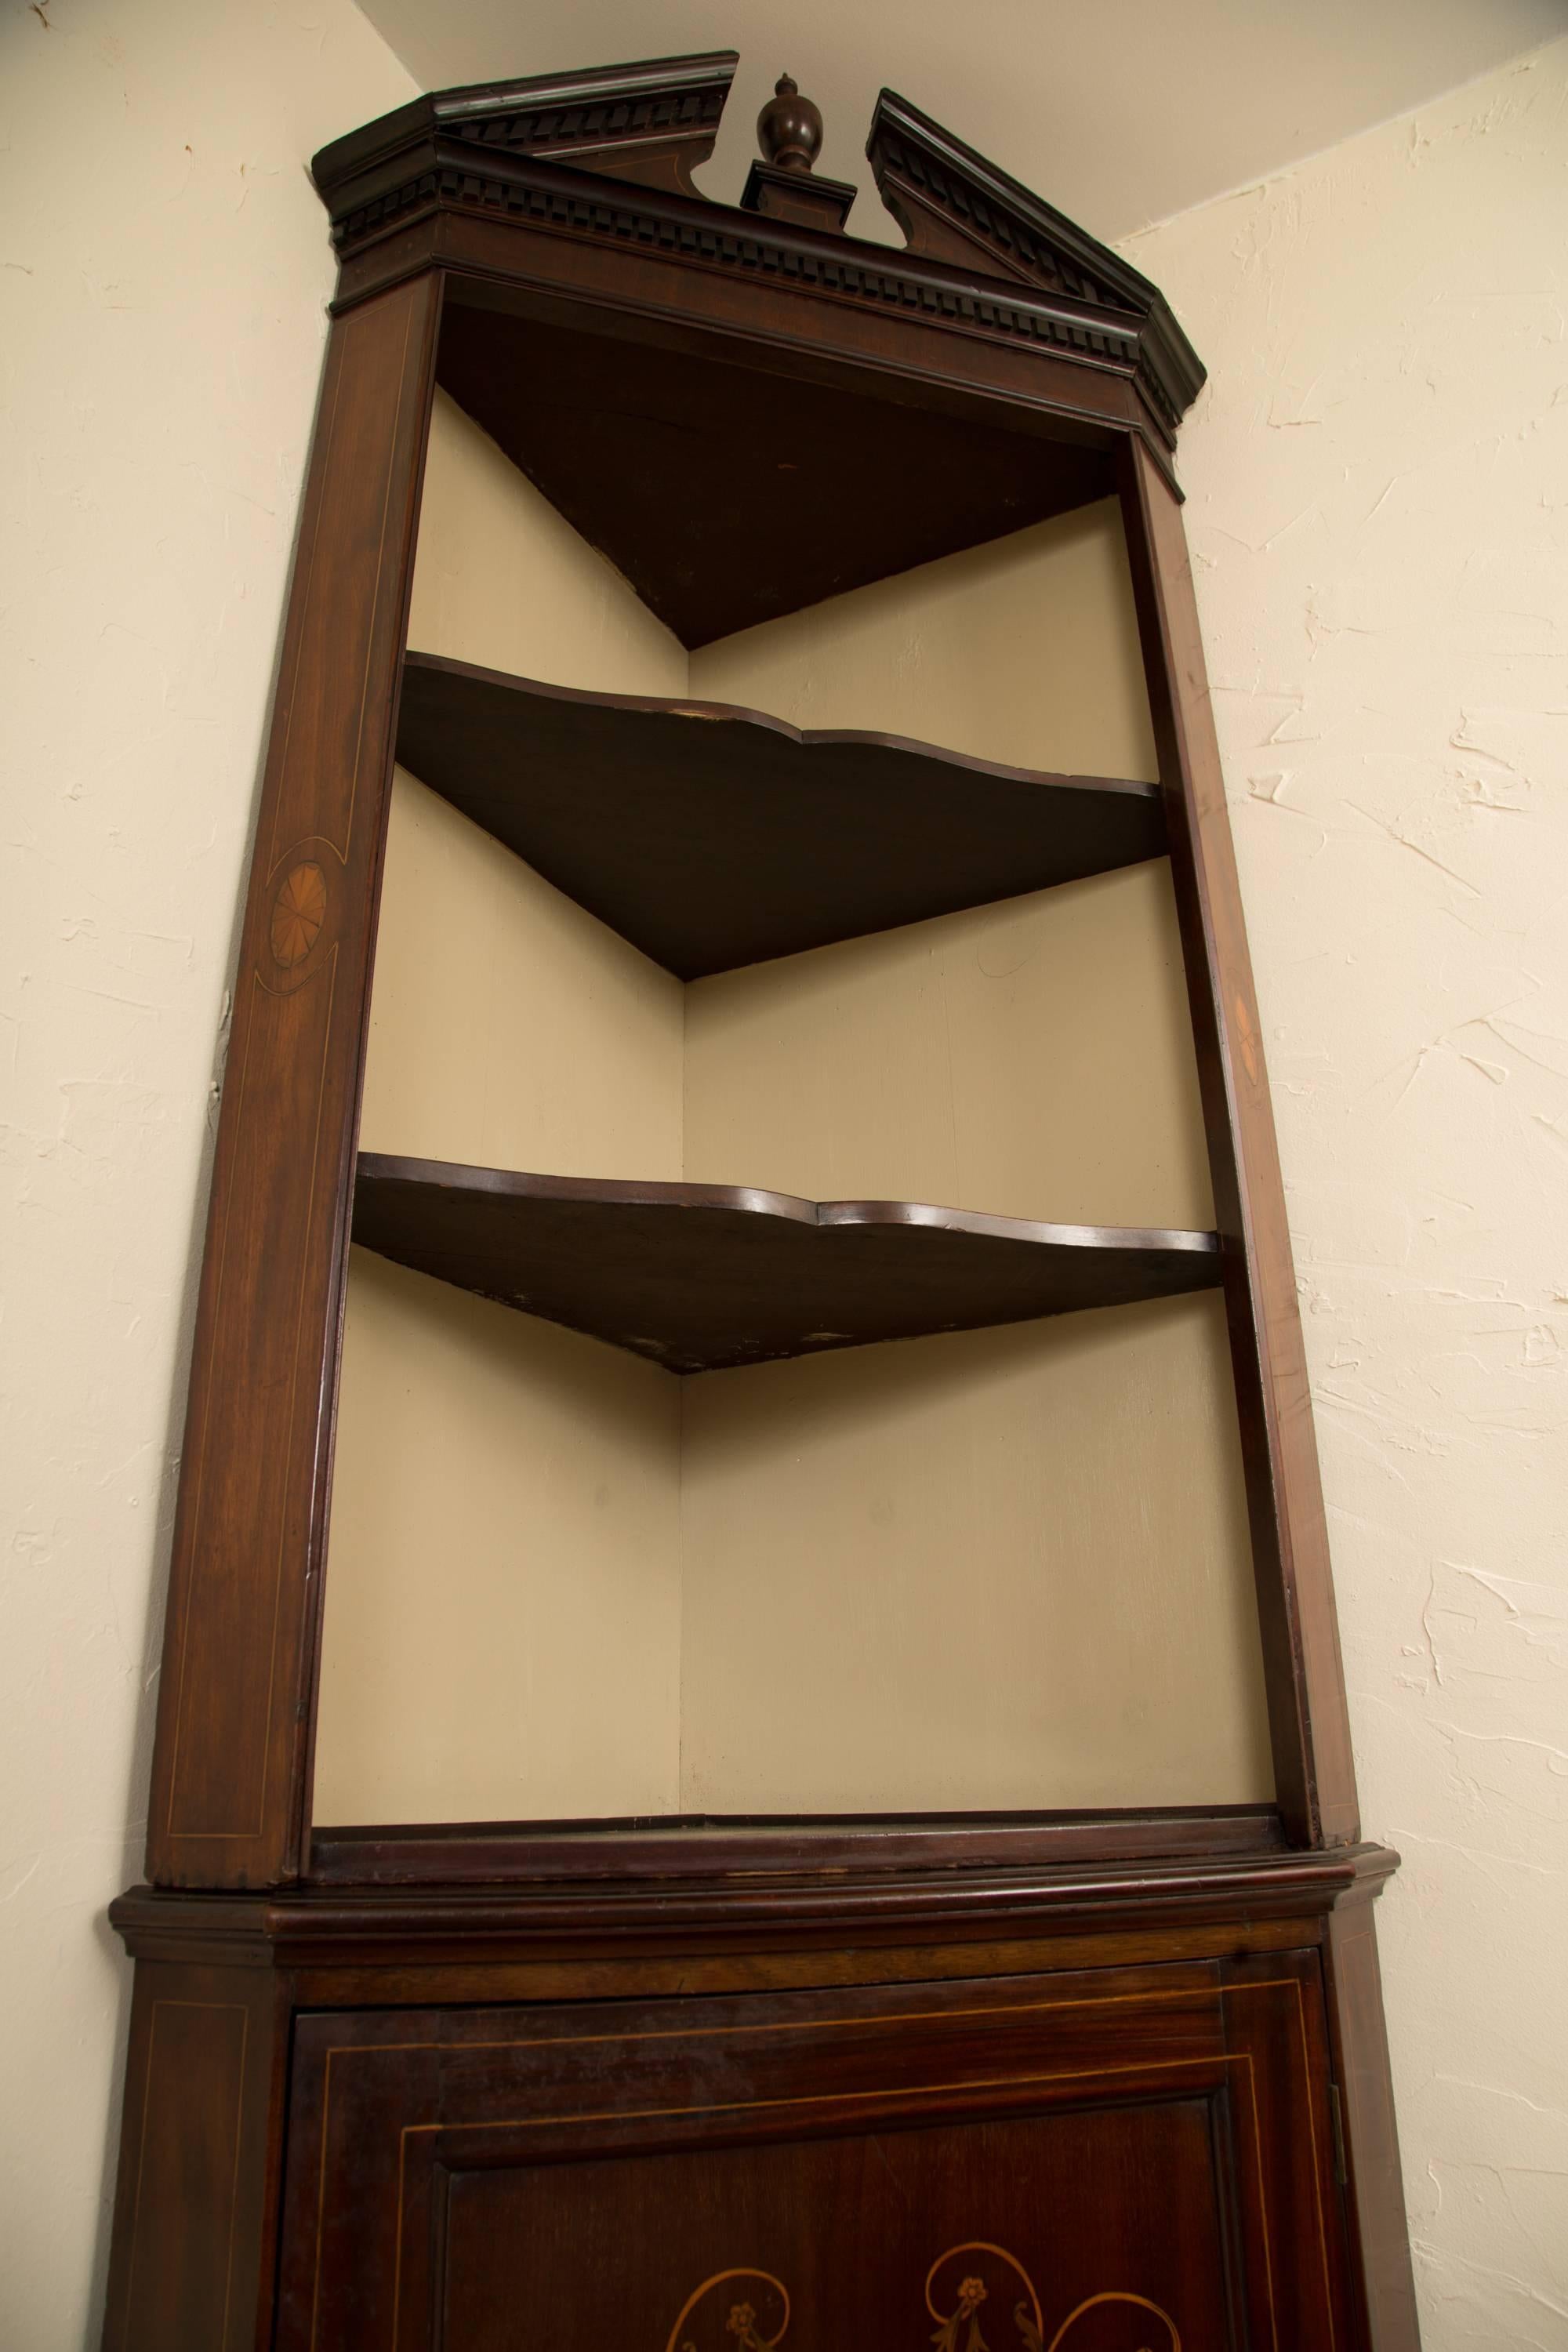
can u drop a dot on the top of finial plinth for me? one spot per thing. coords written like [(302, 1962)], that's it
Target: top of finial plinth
[(789, 127)]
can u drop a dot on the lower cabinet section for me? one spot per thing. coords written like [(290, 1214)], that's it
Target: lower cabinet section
[(1119, 2161), (1137, 2107)]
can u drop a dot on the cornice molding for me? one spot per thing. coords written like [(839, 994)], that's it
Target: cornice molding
[(561, 153), (954, 205), (651, 122), (724, 237)]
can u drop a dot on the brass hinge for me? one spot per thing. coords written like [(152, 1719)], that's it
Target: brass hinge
[(1337, 2125)]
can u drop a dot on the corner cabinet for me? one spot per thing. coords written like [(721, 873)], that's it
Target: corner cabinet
[(751, 1750)]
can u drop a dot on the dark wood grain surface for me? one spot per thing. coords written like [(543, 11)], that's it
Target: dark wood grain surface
[(1384, 2283), (711, 836), (650, 121), (615, 265), (824, 1902), (748, 414), (699, 1278), (236, 1703), (1314, 1773), (730, 495), (955, 205), (1150, 2146), (498, 1853), (194, 2249), (1044, 1993)]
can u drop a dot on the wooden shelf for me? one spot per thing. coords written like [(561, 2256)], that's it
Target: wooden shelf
[(699, 1278), (730, 495), (711, 836)]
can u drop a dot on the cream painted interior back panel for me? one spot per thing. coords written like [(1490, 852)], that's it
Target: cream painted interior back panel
[(1032, 1059), (501, 579), (1023, 652), (508, 1028), (995, 1570), (502, 1625)]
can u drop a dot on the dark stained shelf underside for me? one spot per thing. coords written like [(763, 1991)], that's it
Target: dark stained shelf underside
[(730, 495), (704, 1277), (711, 836)]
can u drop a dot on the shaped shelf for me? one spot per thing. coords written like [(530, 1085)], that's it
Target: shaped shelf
[(701, 1278), (711, 836), (727, 496)]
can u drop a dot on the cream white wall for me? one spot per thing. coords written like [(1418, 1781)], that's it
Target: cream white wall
[(1378, 500), (163, 264)]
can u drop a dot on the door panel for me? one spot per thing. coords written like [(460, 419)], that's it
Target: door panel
[(857, 2240), (1124, 2161)]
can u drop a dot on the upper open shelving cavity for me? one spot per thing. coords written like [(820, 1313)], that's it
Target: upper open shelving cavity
[(728, 494)]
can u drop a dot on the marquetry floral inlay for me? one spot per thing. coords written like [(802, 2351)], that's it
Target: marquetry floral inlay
[(970, 2295), (958, 2330), (298, 913), (743, 2322)]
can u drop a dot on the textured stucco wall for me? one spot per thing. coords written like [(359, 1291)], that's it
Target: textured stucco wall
[(163, 269), (1378, 504)]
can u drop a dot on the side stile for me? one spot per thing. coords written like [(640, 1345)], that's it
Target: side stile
[(194, 2258), (1385, 2281), (1314, 1771), (231, 1747)]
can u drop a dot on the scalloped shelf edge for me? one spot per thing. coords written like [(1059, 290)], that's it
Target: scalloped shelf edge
[(714, 837), (704, 1277)]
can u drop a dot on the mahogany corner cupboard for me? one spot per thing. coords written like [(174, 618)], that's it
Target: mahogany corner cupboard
[(751, 1750)]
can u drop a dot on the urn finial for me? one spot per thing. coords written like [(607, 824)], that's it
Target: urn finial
[(789, 127)]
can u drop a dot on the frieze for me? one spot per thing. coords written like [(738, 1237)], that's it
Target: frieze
[(453, 184)]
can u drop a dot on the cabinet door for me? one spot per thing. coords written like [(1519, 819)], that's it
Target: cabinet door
[(1132, 2160)]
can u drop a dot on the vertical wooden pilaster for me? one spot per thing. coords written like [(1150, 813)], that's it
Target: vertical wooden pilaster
[(1314, 1774), (1384, 2279), (231, 1752), (195, 2251)]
